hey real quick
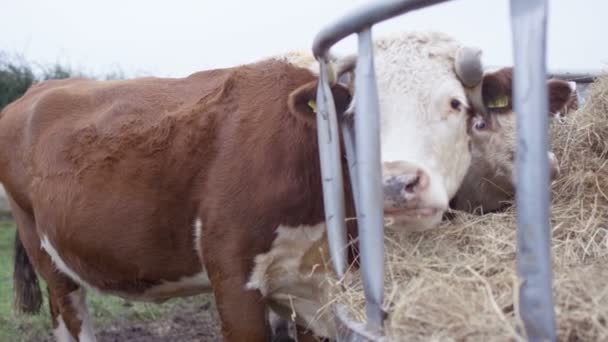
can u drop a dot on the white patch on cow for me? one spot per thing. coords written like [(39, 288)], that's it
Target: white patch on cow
[(46, 245), (301, 59), (198, 233), (61, 333), (78, 302), (306, 60), (184, 287), (416, 83), (295, 277)]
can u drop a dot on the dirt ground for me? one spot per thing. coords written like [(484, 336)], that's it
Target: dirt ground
[(186, 322)]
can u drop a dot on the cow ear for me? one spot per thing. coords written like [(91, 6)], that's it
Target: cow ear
[(560, 93), (497, 90), (302, 101)]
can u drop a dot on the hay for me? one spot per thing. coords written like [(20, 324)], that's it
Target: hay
[(457, 283)]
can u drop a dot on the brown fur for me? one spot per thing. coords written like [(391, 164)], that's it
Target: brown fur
[(488, 185), (561, 98), (115, 172)]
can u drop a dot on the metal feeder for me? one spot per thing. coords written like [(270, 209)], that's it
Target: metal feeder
[(362, 144)]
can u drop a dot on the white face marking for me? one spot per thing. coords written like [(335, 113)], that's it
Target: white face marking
[(419, 127), (46, 245), (78, 301), (61, 333), (294, 276)]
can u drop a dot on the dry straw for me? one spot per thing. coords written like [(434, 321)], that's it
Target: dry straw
[(458, 283)]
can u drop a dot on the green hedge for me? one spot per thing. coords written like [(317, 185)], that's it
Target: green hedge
[(17, 75)]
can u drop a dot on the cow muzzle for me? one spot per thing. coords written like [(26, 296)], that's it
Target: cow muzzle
[(410, 194)]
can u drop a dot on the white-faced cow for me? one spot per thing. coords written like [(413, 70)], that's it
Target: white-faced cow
[(155, 188), (490, 182)]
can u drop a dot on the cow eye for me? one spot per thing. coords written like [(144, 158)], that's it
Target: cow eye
[(455, 104), (480, 125)]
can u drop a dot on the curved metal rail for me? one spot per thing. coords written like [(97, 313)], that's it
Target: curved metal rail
[(362, 144)]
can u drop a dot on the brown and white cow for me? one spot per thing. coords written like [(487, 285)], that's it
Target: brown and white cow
[(490, 182), (155, 188)]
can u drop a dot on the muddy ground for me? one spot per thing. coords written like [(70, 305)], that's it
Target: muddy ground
[(187, 322)]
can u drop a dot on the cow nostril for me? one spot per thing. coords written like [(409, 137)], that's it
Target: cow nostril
[(416, 183), (410, 187)]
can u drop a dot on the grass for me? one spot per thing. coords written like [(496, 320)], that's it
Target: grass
[(15, 327), (105, 310)]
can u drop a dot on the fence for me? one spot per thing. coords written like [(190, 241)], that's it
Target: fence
[(362, 141)]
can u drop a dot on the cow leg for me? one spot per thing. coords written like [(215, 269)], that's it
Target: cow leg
[(71, 321), (66, 299), (242, 311)]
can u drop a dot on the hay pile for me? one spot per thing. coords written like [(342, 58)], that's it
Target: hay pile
[(457, 283)]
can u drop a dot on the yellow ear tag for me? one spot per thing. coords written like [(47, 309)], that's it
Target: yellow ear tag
[(313, 105), (499, 102)]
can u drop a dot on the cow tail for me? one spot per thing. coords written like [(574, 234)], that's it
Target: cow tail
[(27, 294)]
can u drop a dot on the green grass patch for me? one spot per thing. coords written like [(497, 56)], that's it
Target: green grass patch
[(14, 327), (105, 310)]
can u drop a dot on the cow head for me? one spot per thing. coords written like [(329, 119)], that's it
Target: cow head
[(491, 179), (422, 82), (424, 118)]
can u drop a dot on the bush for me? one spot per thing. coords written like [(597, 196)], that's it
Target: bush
[(15, 79), (17, 75)]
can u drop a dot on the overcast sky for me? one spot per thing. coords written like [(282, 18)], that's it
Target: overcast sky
[(179, 37)]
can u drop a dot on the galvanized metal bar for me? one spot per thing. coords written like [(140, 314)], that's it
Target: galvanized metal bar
[(364, 17), (578, 77), (349, 137), (331, 170), (370, 217), (363, 152), (353, 331), (528, 25)]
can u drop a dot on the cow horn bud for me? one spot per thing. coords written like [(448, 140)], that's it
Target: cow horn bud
[(468, 66)]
